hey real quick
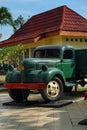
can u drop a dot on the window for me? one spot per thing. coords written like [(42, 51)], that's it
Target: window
[(39, 54), (80, 40), (76, 39), (85, 40), (52, 53), (71, 39), (68, 54), (67, 39), (48, 53)]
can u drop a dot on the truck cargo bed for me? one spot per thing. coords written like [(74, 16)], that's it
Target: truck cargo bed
[(81, 61)]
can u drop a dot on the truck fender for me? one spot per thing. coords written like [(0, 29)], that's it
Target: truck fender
[(51, 73)]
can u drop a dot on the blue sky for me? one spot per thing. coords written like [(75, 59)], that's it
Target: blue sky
[(28, 8)]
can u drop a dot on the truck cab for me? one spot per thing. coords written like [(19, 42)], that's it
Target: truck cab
[(51, 70), (63, 55)]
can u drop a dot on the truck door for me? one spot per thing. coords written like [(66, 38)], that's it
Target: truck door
[(68, 64)]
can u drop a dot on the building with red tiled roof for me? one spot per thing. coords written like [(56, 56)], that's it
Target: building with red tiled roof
[(61, 25)]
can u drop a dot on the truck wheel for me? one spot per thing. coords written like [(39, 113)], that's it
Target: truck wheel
[(53, 90), (18, 95)]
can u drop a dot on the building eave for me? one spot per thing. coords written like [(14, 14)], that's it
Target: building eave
[(73, 33)]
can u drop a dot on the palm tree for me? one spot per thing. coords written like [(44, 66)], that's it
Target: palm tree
[(18, 23), (5, 16), (7, 19)]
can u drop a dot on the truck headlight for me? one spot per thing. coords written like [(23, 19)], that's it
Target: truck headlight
[(20, 68), (44, 67)]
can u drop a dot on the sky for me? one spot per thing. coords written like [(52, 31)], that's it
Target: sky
[(29, 8)]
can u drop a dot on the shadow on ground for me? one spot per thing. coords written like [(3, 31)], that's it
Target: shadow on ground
[(37, 101)]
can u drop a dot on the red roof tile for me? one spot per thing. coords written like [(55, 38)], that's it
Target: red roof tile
[(61, 18), (72, 21)]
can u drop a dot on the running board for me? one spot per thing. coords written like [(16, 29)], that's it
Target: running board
[(70, 83)]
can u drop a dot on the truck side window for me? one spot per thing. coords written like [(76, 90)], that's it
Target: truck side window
[(68, 54)]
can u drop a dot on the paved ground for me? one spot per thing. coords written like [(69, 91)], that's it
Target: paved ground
[(39, 118)]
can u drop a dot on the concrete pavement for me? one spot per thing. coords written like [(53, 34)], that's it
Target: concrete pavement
[(39, 118)]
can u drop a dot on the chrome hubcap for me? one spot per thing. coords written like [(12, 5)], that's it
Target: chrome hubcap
[(53, 88)]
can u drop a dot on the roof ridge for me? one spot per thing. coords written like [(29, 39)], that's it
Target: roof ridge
[(64, 13), (48, 10), (64, 7), (76, 13)]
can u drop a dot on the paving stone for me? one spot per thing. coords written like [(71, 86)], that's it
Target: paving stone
[(42, 118)]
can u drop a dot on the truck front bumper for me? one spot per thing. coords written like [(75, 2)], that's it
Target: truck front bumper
[(25, 85)]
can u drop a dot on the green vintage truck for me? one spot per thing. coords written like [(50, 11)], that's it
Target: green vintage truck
[(52, 70)]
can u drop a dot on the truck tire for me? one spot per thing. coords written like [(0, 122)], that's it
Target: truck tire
[(53, 90), (18, 95)]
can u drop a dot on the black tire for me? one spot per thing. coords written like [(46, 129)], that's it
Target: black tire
[(53, 90), (18, 95)]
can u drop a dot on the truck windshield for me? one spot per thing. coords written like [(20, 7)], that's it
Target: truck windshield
[(48, 53)]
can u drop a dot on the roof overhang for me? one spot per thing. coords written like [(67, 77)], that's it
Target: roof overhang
[(73, 33), (8, 43)]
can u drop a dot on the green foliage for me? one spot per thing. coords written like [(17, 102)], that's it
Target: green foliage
[(5, 16), (7, 19), (12, 54), (18, 23)]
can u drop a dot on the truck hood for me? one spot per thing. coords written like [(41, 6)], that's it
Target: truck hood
[(38, 62)]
